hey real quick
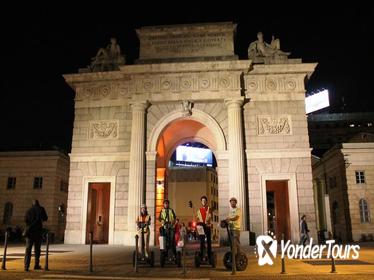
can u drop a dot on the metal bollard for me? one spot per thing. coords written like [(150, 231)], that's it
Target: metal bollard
[(333, 269), (184, 257), (136, 252), (283, 261), (233, 253), (91, 241), (47, 252), (3, 265)]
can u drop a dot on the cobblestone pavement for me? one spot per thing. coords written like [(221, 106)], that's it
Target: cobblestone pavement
[(115, 262)]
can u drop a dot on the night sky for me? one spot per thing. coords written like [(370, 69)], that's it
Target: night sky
[(37, 106)]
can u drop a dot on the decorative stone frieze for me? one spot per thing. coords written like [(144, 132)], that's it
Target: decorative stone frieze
[(103, 129), (273, 84), (274, 125)]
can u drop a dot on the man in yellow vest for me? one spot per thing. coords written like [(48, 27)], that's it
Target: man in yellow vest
[(143, 221), (234, 220), (167, 218), (204, 218)]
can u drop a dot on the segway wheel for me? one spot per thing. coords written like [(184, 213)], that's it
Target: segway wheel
[(152, 259), (197, 259), (179, 259), (162, 258), (213, 259), (133, 258), (241, 262), (227, 260)]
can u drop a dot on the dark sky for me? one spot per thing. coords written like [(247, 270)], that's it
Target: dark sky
[(37, 106)]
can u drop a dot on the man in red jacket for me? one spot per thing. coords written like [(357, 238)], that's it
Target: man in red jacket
[(204, 217)]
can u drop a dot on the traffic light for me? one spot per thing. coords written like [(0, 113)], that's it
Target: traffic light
[(190, 204)]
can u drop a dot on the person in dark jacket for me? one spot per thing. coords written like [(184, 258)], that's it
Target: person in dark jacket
[(34, 219), (304, 231)]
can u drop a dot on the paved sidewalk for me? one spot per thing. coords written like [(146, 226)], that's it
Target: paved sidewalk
[(115, 262)]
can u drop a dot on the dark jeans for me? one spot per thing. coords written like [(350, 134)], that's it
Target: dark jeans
[(36, 240), (208, 235), (168, 234)]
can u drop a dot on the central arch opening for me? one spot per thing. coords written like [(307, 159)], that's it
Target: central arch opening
[(185, 171)]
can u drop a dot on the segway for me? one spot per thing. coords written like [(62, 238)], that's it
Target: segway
[(167, 255), (241, 259), (203, 259), (142, 258)]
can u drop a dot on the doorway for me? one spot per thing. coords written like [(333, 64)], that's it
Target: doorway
[(98, 212), (277, 205)]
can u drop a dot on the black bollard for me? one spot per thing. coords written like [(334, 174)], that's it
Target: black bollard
[(333, 269), (47, 252), (283, 261), (136, 252), (184, 259), (91, 241), (233, 253), (3, 265)]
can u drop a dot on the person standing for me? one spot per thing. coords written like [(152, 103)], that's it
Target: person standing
[(204, 217), (143, 221), (304, 231), (167, 218), (234, 220), (34, 218)]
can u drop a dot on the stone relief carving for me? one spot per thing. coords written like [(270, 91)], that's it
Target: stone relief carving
[(187, 108), (274, 125), (263, 84), (103, 129), (261, 52), (158, 84)]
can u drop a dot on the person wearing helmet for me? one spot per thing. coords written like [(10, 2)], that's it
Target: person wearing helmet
[(143, 221)]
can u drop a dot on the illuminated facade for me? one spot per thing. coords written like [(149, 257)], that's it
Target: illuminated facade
[(186, 86), (29, 175), (343, 182)]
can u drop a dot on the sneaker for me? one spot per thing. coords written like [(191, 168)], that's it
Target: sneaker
[(37, 267)]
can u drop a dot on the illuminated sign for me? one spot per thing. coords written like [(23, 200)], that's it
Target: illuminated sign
[(192, 154), (317, 101)]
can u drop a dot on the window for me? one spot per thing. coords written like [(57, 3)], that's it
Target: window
[(335, 212), (332, 182), (38, 182), (364, 211), (64, 186), (11, 183), (8, 211), (360, 177)]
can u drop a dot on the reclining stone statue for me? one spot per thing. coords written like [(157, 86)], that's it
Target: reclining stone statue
[(108, 59), (260, 49)]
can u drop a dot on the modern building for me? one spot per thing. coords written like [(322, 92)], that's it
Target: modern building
[(344, 189), (188, 85), (190, 184), (25, 176), (325, 130)]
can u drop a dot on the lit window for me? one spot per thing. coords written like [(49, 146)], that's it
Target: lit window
[(364, 211), (38, 182), (11, 183), (370, 124), (360, 177), (352, 125)]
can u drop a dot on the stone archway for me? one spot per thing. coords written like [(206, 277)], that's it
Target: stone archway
[(172, 130)]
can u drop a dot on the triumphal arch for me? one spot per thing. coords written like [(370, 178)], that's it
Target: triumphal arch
[(189, 85)]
